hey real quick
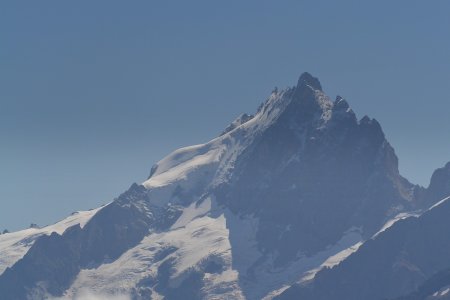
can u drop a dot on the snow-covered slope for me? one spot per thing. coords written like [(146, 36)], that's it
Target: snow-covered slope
[(276, 197), (199, 241), (14, 245), (208, 164)]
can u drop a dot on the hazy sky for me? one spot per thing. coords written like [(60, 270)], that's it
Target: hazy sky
[(92, 93)]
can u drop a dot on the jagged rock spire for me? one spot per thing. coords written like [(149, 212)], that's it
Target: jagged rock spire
[(307, 79)]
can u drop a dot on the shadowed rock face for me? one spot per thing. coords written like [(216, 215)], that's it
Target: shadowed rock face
[(434, 288), (412, 257), (315, 173)]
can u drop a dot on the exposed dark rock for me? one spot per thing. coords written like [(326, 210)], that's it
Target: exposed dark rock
[(397, 262)]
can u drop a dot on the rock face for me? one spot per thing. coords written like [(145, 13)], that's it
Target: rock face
[(436, 287), (240, 217), (315, 173), (411, 258)]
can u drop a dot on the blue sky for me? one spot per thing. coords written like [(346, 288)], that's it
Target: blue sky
[(92, 93)]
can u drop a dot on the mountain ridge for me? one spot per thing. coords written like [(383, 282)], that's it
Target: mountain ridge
[(272, 198)]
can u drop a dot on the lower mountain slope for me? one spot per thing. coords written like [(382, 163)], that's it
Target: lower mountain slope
[(410, 258), (436, 287), (14, 245)]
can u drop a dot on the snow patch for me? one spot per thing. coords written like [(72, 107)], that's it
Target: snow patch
[(395, 219), (439, 203), (332, 261), (85, 294), (195, 210)]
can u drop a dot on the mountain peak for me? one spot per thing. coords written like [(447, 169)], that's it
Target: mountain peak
[(306, 79), (272, 198), (439, 187)]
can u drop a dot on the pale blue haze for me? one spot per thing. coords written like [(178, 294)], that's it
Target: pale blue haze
[(92, 93)]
